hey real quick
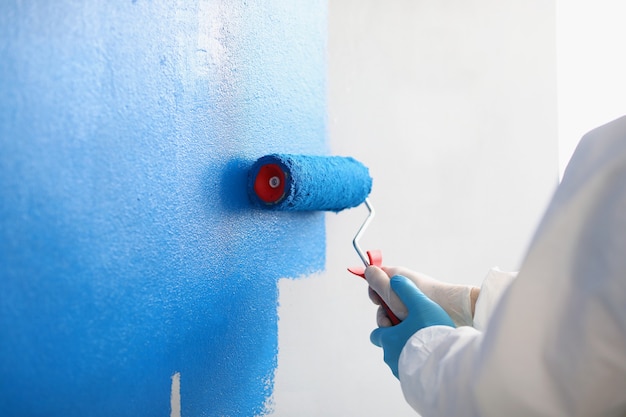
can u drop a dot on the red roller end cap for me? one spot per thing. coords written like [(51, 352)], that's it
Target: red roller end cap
[(269, 184)]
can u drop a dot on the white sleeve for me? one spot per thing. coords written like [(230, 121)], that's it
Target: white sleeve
[(555, 344), (436, 369), (491, 290)]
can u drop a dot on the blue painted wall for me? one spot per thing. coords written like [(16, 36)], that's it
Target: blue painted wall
[(128, 251)]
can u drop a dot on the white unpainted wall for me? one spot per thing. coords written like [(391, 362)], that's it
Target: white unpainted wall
[(453, 106), (591, 68)]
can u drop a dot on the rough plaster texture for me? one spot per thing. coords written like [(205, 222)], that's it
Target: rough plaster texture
[(128, 252)]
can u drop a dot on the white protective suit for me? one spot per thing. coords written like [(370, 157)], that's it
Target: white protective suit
[(555, 344)]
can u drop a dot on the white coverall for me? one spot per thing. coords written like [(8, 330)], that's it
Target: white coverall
[(555, 344)]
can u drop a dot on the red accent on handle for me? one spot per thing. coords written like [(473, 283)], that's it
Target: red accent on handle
[(376, 259)]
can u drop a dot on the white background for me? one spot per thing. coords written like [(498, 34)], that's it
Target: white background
[(454, 106)]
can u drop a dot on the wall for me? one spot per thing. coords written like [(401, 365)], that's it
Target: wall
[(130, 265), (591, 68), (452, 105), (135, 280)]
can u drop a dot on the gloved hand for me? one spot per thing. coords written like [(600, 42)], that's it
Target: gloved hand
[(457, 300), (421, 312)]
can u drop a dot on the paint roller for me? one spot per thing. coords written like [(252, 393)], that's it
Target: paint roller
[(287, 182)]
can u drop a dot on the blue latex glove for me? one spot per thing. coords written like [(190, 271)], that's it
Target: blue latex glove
[(422, 312)]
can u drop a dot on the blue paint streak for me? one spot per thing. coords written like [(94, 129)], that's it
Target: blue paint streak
[(128, 250)]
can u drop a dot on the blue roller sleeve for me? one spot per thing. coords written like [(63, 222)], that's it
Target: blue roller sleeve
[(311, 183)]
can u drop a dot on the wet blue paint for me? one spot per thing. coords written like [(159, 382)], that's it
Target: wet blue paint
[(309, 182), (128, 249)]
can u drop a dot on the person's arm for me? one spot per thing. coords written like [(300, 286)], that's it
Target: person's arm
[(434, 322), (549, 349), (556, 342), (459, 301)]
